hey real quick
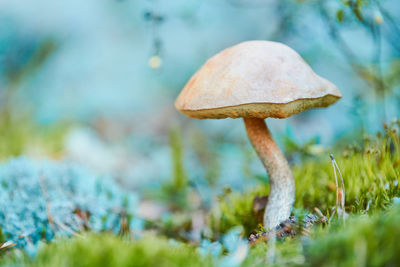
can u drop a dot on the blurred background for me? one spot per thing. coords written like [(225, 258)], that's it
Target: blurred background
[(94, 82)]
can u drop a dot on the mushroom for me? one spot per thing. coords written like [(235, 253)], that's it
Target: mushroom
[(256, 80)]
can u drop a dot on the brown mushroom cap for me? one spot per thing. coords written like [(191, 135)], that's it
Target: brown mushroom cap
[(255, 79)]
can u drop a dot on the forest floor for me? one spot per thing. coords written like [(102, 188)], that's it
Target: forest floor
[(354, 224)]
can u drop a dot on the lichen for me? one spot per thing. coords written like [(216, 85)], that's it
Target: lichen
[(45, 199)]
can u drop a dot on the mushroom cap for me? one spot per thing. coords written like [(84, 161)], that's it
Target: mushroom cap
[(255, 79)]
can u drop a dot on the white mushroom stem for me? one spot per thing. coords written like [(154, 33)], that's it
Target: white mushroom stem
[(282, 188)]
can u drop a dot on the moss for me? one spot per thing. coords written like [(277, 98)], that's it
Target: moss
[(176, 225), (236, 209), (369, 237), (288, 253), (370, 171), (110, 250), (363, 240)]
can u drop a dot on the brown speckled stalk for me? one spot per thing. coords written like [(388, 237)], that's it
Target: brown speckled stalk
[(281, 197)]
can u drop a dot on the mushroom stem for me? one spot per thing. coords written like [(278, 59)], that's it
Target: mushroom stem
[(282, 188)]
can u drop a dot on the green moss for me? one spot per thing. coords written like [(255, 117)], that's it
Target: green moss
[(236, 209), (369, 237), (363, 240), (370, 170), (287, 253), (110, 250), (176, 225)]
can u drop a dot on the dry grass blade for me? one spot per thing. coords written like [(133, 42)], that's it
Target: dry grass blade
[(333, 212), (336, 183), (340, 191), (67, 229), (7, 244), (319, 212), (321, 215)]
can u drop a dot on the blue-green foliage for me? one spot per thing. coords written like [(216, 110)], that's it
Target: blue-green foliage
[(44, 199), (232, 243)]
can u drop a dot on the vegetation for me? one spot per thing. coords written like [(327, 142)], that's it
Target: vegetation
[(363, 240), (236, 209), (368, 236), (110, 250), (371, 172), (47, 199), (63, 214)]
